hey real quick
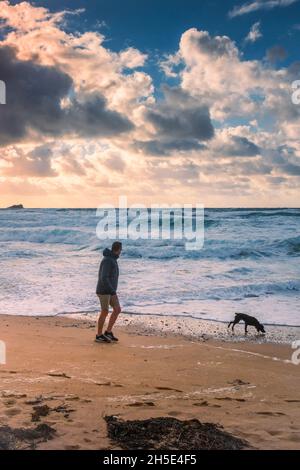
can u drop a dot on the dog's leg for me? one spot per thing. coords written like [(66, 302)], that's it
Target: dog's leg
[(229, 324), (246, 331)]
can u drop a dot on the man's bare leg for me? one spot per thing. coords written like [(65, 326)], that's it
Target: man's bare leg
[(114, 302), (101, 321), (113, 319)]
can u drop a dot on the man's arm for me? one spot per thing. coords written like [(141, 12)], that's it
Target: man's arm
[(105, 273)]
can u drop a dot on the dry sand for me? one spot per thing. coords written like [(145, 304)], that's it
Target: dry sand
[(252, 389)]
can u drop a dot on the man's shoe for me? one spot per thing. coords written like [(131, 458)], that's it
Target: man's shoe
[(102, 339), (110, 336)]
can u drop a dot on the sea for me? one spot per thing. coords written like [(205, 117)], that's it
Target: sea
[(250, 263)]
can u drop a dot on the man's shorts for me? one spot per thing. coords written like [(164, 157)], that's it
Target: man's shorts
[(109, 300)]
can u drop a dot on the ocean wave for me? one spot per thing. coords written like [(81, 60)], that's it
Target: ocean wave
[(271, 213), (151, 249), (47, 235), (239, 292), (236, 240), (291, 245)]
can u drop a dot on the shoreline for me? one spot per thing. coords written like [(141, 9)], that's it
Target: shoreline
[(192, 328), (198, 329)]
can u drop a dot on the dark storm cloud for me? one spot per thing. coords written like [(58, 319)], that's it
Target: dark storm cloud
[(92, 118), (182, 123), (165, 148), (291, 169), (240, 147), (283, 160), (34, 95)]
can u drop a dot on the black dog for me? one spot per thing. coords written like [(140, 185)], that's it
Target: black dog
[(249, 321)]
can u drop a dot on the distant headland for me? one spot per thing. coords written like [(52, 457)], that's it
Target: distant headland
[(16, 206)]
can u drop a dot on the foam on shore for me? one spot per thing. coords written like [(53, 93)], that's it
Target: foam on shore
[(200, 330)]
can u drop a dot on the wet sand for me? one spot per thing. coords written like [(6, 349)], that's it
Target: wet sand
[(57, 376)]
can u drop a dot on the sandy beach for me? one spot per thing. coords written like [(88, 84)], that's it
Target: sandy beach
[(56, 375)]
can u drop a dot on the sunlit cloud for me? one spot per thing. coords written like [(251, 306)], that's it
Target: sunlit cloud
[(251, 7), (85, 123)]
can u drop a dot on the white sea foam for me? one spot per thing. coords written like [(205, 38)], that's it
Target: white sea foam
[(250, 262)]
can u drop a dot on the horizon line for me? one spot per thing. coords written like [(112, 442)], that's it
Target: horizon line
[(149, 207)]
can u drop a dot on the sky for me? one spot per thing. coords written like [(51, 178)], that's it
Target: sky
[(173, 102)]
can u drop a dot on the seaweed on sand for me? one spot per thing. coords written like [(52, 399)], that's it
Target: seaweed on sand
[(22, 438), (168, 433)]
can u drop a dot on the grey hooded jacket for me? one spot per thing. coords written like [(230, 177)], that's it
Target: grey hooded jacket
[(108, 274)]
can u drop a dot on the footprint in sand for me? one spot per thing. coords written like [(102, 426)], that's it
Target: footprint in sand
[(13, 395), (295, 437), (108, 384), (63, 375), (34, 401), (12, 411), (231, 399), (168, 388), (142, 403), (274, 432), (9, 402), (205, 403), (239, 382), (202, 403)]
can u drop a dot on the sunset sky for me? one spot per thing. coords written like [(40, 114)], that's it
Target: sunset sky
[(173, 101)]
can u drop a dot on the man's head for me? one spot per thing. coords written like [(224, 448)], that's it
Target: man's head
[(116, 248)]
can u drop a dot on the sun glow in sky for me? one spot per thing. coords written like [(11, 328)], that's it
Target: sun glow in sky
[(165, 102)]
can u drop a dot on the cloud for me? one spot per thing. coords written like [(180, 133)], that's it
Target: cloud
[(254, 33), (259, 5), (201, 43), (189, 123), (131, 58), (168, 147), (169, 63), (232, 87), (43, 37), (178, 123), (90, 120), (34, 104), (276, 54), (36, 163), (115, 163), (241, 147), (179, 116)]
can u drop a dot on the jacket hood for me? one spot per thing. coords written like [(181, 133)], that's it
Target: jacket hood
[(108, 252)]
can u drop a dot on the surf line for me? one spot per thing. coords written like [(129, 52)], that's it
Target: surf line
[(250, 353)]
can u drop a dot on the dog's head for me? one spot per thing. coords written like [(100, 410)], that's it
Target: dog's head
[(261, 328)]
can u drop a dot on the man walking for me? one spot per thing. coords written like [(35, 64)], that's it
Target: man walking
[(107, 292)]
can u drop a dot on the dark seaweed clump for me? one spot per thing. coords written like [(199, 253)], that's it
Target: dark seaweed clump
[(168, 433)]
